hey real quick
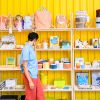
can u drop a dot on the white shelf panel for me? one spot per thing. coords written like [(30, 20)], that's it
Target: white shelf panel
[(86, 69), (12, 90), (57, 90), (88, 90), (15, 30), (86, 29), (4, 68), (69, 49), (86, 48), (45, 90), (10, 49), (54, 69), (54, 29), (9, 69)]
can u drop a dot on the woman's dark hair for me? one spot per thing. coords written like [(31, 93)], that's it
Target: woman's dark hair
[(32, 36)]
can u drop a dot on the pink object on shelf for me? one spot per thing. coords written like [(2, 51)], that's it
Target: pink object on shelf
[(42, 19)]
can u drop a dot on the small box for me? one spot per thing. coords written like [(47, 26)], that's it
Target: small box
[(79, 62), (87, 64), (59, 83), (67, 65), (99, 43), (95, 43), (10, 61), (10, 83), (39, 66)]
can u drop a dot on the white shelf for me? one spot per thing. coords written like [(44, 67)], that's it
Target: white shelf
[(86, 48), (53, 29), (45, 90), (5, 68), (9, 69), (10, 49), (57, 90), (54, 69), (86, 69), (12, 90), (88, 90), (69, 49), (86, 29), (15, 30)]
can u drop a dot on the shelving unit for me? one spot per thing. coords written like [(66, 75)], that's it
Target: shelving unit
[(5, 68), (45, 90), (72, 57), (82, 52)]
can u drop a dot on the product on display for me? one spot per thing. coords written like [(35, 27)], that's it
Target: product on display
[(96, 79), (19, 22), (53, 66), (10, 61), (10, 23), (8, 42), (81, 19), (65, 44), (67, 65), (42, 18), (82, 78), (98, 18), (88, 65), (82, 44), (96, 64), (61, 21), (79, 63), (46, 65), (54, 42), (64, 63), (39, 45), (45, 44), (95, 43), (59, 83), (2, 85), (27, 22), (10, 83), (3, 22)]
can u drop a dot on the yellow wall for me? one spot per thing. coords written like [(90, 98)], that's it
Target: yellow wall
[(66, 7)]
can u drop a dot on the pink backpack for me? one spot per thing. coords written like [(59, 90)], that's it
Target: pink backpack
[(3, 22), (42, 18)]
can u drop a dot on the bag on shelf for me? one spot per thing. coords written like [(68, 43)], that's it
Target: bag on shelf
[(3, 22), (42, 18), (61, 21)]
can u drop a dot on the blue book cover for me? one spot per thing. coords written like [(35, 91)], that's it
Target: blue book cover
[(82, 78)]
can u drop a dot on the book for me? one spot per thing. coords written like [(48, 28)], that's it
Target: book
[(54, 42), (10, 61), (96, 78), (82, 78)]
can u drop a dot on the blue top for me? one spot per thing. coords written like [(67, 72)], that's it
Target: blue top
[(28, 54)]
